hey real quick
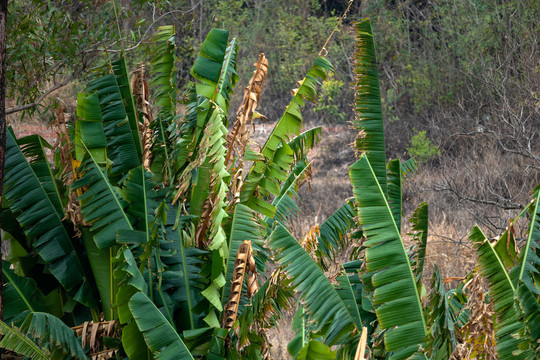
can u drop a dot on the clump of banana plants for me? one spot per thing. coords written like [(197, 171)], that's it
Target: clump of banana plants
[(158, 223), (150, 215)]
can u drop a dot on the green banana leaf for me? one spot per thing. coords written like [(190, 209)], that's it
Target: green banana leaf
[(268, 306), (531, 311), (346, 293), (396, 174), (502, 293), (18, 342), (368, 108), (134, 344), (184, 265), (130, 280), (505, 246), (304, 142), (122, 79), (441, 338), (333, 231), (102, 205), (57, 339), (33, 148), (121, 146), (160, 336), (21, 296), (396, 300), (215, 67), (139, 191), (315, 350), (38, 217), (163, 86), (163, 70), (89, 131), (284, 203), (298, 325), (419, 221), (321, 299), (529, 259), (300, 146)]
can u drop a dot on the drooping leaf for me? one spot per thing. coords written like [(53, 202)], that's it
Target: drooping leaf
[(161, 338), (21, 296), (285, 202), (39, 218), (130, 281), (505, 246), (321, 300), (531, 311), (304, 142), (33, 148), (15, 340), (134, 344), (57, 338), (102, 269), (502, 293), (346, 293), (101, 204), (334, 229), (54, 332), (299, 327)]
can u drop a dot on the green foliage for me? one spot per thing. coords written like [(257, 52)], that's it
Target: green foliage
[(161, 243), (368, 108), (331, 90), (422, 148), (42, 336), (326, 308), (316, 350), (158, 333), (386, 258)]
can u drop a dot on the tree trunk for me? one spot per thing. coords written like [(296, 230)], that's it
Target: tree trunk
[(3, 38)]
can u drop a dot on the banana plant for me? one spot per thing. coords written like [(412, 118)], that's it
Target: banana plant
[(151, 225), (514, 289)]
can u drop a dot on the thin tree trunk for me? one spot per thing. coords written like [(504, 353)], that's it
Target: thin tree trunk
[(3, 38)]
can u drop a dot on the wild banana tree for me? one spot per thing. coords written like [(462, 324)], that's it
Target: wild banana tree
[(142, 209), (514, 285), (333, 314)]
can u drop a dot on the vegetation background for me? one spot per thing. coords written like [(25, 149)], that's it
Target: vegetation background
[(460, 86)]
